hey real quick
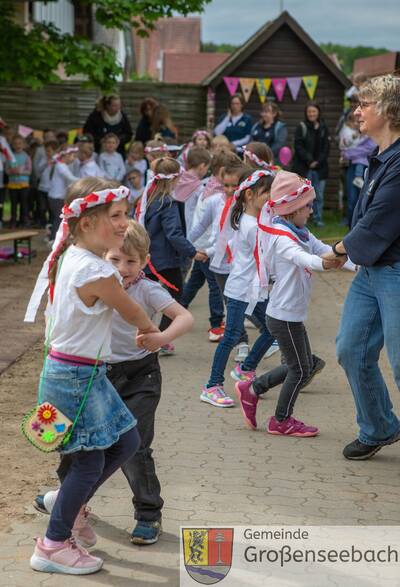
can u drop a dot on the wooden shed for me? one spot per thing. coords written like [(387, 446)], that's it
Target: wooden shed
[(281, 49)]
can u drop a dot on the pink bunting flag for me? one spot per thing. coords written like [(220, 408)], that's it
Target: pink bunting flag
[(247, 84), (24, 131), (279, 85), (294, 84), (232, 84)]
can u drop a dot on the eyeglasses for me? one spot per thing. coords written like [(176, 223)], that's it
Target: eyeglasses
[(362, 104)]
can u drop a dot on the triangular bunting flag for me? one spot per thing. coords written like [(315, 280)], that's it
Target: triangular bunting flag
[(294, 84), (24, 131), (310, 83), (232, 84), (279, 85), (262, 92), (247, 84), (267, 83)]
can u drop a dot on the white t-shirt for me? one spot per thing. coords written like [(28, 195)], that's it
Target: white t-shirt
[(190, 207), (292, 265), (112, 165), (60, 180), (74, 328), (88, 168), (243, 267), (153, 299)]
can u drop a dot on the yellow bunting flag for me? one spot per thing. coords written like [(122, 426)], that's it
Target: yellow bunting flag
[(72, 135), (310, 83), (267, 84), (247, 84)]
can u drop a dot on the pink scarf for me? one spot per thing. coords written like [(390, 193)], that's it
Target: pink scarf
[(188, 182), (213, 186)]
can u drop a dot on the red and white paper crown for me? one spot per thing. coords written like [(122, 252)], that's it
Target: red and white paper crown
[(150, 186), (260, 162), (72, 210)]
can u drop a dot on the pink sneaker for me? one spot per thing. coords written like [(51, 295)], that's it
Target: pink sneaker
[(167, 350), (216, 396), (82, 530), (290, 427), (239, 375), (69, 558), (248, 402)]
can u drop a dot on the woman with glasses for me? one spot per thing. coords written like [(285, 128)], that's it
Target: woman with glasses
[(371, 314)]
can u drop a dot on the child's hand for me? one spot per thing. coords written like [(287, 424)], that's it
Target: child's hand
[(152, 341), (329, 262), (201, 256)]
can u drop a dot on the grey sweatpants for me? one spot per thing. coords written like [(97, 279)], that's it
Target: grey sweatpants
[(298, 362)]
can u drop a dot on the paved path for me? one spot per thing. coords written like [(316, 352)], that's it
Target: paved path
[(215, 471)]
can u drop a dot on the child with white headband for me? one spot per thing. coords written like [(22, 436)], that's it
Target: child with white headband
[(160, 214), (84, 290), (287, 250), (61, 178), (239, 219), (259, 156)]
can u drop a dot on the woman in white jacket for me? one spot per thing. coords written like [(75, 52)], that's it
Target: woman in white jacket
[(291, 253)]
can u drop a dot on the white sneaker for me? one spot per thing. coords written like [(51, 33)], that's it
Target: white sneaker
[(49, 499), (242, 352), (358, 182), (248, 323), (274, 348)]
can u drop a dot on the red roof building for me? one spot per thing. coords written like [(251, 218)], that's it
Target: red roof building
[(190, 68), (172, 35), (378, 64)]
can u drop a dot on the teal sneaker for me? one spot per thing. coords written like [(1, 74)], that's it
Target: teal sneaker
[(146, 532)]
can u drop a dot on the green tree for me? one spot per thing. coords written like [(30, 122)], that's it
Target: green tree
[(32, 56)]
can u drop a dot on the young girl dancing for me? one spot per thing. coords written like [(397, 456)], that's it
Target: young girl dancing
[(248, 199), (84, 290), (136, 374), (160, 215), (290, 252)]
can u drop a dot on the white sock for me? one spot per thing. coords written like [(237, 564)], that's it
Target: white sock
[(52, 543)]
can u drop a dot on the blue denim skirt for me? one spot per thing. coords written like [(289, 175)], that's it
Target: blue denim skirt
[(104, 417)]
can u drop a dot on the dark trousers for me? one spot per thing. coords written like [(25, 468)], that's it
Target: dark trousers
[(298, 364), (139, 385), (56, 206), (174, 276), (2, 200), (199, 275), (87, 471), (19, 199), (43, 210)]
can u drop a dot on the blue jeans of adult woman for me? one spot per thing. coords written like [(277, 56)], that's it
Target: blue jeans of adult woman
[(370, 320), (319, 187)]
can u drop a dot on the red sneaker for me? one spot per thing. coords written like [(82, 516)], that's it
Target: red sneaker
[(290, 427), (215, 334), (248, 402)]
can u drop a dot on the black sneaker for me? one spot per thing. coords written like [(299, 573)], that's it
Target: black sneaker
[(39, 504), (319, 364), (358, 451)]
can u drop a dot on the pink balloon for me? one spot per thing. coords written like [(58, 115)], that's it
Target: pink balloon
[(285, 155)]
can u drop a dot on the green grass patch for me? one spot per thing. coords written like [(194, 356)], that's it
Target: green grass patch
[(333, 229)]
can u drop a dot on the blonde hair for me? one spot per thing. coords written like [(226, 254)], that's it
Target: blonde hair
[(153, 144), (385, 90), (219, 142), (136, 240), (79, 189), (162, 188), (138, 147)]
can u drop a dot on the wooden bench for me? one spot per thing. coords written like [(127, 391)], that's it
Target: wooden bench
[(19, 236)]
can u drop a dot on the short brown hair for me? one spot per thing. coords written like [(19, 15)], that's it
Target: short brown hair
[(222, 159), (52, 144), (196, 156), (110, 135), (136, 240)]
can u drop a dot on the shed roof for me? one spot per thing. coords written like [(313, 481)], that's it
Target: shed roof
[(263, 35)]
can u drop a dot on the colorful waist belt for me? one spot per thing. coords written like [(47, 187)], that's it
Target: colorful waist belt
[(73, 359)]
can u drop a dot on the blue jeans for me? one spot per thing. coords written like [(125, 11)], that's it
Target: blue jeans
[(319, 187), (235, 314), (370, 320), (199, 275), (352, 191)]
